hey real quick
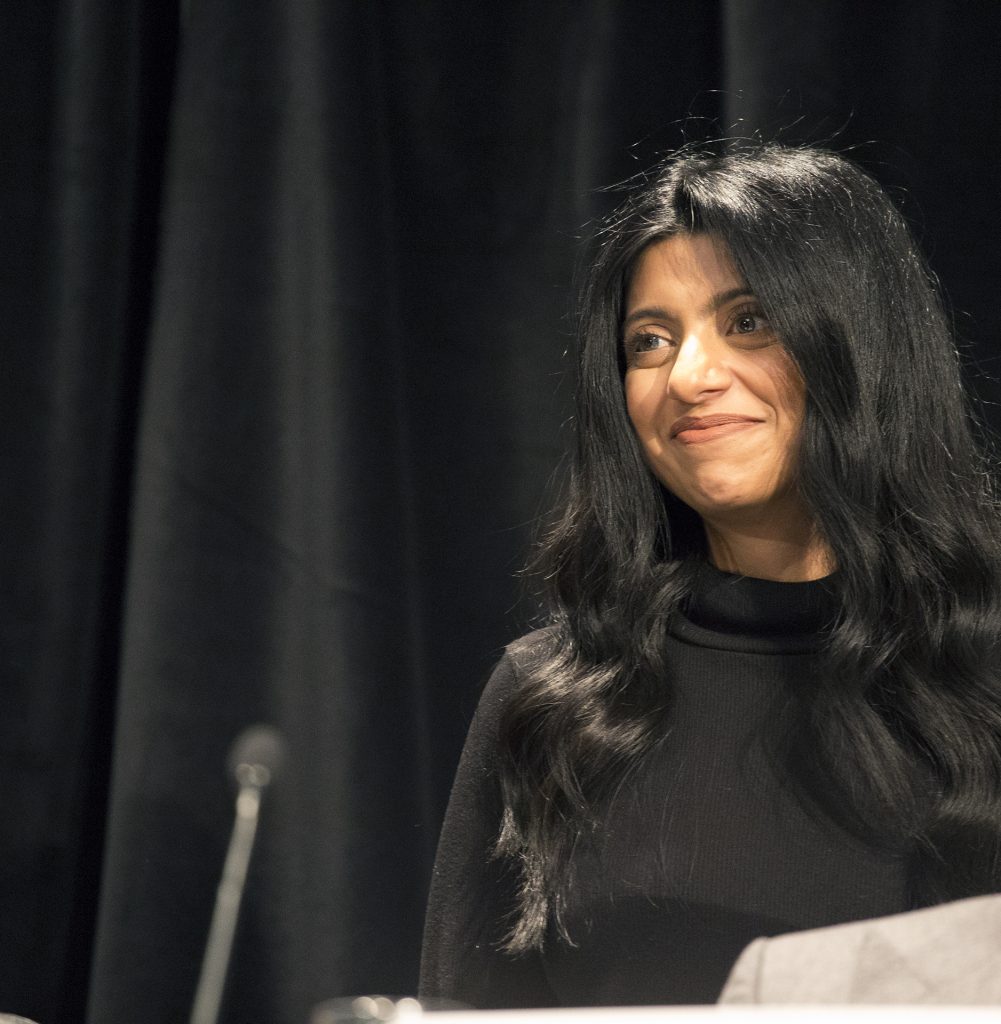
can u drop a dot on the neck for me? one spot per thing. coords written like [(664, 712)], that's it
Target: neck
[(771, 550)]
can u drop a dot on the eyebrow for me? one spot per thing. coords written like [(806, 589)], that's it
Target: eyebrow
[(714, 304)]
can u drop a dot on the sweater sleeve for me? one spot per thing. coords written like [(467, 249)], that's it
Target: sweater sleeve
[(473, 893)]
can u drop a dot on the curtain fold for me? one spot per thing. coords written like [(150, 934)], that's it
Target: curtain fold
[(81, 171), (267, 577)]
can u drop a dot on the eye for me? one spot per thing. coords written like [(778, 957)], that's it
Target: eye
[(746, 323), (647, 348), (648, 342), (749, 320)]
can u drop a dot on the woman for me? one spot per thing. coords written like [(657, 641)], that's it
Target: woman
[(767, 698)]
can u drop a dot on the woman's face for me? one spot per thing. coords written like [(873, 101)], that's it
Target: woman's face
[(716, 401)]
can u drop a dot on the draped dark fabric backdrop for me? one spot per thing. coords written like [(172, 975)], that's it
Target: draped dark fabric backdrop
[(287, 370)]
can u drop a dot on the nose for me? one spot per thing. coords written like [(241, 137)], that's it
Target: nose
[(699, 370)]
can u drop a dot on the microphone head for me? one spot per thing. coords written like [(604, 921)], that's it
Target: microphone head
[(256, 755)]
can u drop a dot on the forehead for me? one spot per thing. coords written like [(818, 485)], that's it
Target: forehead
[(680, 269)]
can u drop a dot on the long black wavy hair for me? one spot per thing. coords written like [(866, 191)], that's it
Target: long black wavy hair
[(899, 735)]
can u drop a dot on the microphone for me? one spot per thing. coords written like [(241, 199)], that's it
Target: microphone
[(255, 757)]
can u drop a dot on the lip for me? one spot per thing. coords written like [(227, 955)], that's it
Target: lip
[(693, 429)]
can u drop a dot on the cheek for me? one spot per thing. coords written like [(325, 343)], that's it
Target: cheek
[(788, 393), (793, 404), (642, 400)]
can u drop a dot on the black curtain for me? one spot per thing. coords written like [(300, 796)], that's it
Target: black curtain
[(288, 292)]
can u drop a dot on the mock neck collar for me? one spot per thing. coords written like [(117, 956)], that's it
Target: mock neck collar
[(747, 613)]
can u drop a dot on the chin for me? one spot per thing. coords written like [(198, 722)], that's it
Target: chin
[(725, 499), (728, 492)]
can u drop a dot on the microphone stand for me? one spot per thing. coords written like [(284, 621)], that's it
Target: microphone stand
[(252, 778)]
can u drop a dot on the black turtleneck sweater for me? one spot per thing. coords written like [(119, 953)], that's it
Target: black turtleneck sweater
[(703, 850)]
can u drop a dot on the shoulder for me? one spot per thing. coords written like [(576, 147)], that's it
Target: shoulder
[(505, 681), (520, 657)]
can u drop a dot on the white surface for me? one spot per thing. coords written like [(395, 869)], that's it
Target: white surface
[(725, 1015)]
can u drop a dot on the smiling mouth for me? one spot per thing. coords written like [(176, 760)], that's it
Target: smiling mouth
[(700, 429)]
